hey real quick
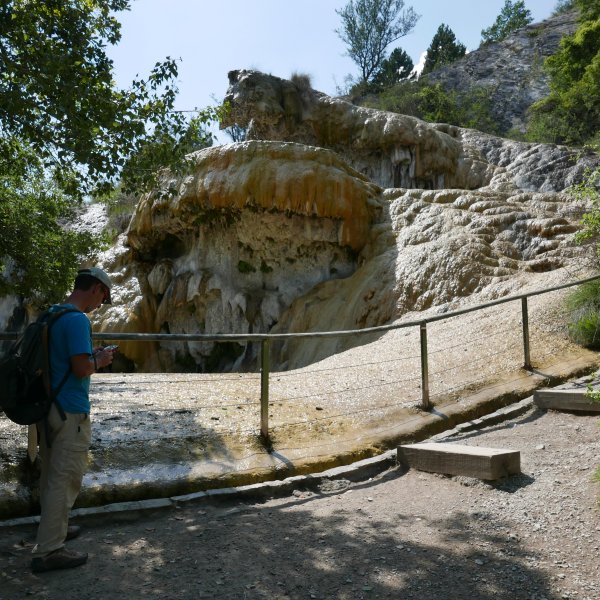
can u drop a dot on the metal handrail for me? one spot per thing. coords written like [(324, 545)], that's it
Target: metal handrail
[(266, 338), (259, 337)]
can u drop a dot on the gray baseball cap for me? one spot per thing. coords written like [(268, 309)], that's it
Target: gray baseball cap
[(101, 276)]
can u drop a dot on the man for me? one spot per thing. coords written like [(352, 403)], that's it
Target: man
[(65, 438)]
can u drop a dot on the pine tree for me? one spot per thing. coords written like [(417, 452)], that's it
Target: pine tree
[(513, 16), (444, 49), (394, 69)]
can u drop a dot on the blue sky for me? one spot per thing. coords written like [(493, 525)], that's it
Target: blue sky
[(275, 36)]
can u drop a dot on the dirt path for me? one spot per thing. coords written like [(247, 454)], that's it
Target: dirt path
[(400, 535)]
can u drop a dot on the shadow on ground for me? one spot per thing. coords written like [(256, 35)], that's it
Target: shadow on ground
[(293, 550)]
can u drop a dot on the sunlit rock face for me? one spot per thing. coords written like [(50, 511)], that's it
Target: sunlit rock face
[(390, 149), (276, 236), (229, 248), (433, 248)]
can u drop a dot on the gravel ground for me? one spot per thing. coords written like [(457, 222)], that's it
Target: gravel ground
[(400, 535)]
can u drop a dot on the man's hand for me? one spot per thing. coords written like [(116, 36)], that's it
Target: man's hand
[(83, 365)]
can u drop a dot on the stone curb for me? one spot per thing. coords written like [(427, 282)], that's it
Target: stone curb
[(356, 472), (499, 416)]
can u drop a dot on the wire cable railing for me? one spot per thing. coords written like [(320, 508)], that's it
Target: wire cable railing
[(427, 364)]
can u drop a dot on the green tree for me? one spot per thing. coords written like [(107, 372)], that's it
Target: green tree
[(571, 112), (444, 49), (369, 27), (57, 93), (513, 16), (393, 69), (38, 255), (71, 132), (563, 6)]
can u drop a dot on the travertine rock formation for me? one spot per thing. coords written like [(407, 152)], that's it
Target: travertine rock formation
[(390, 149), (433, 248), (279, 236), (415, 154), (334, 216), (256, 226)]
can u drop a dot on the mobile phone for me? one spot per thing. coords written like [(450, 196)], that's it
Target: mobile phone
[(112, 347)]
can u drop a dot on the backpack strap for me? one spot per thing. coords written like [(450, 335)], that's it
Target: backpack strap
[(53, 394), (52, 317), (61, 412)]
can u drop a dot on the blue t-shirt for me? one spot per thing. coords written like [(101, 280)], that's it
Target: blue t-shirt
[(69, 336)]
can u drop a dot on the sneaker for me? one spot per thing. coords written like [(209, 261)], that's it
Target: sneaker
[(72, 532), (59, 559)]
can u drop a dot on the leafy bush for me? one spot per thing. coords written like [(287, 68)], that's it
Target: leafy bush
[(584, 304), (467, 108), (571, 113), (39, 252)]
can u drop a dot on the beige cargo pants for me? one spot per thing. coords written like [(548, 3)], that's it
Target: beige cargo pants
[(63, 466)]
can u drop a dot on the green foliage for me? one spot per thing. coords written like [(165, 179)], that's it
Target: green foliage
[(245, 267), (369, 27), (584, 302), (584, 306), (39, 256), (264, 267), (563, 6), (466, 108), (166, 145), (236, 132), (588, 9), (393, 69), (71, 133), (595, 396), (57, 92), (513, 16), (444, 49), (571, 112), (589, 191), (438, 105)]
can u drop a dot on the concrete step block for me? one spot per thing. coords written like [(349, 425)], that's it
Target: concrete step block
[(458, 459), (569, 399)]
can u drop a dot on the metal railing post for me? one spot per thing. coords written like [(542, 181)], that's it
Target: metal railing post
[(425, 404), (264, 390), (525, 319)]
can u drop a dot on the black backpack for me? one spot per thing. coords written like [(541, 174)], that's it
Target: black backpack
[(25, 393)]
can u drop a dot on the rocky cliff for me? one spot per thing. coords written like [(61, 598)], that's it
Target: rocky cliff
[(510, 70), (364, 217)]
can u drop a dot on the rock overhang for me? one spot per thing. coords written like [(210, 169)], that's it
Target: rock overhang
[(286, 178)]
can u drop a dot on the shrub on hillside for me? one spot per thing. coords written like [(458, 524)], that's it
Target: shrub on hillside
[(584, 304), (467, 108), (570, 114)]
